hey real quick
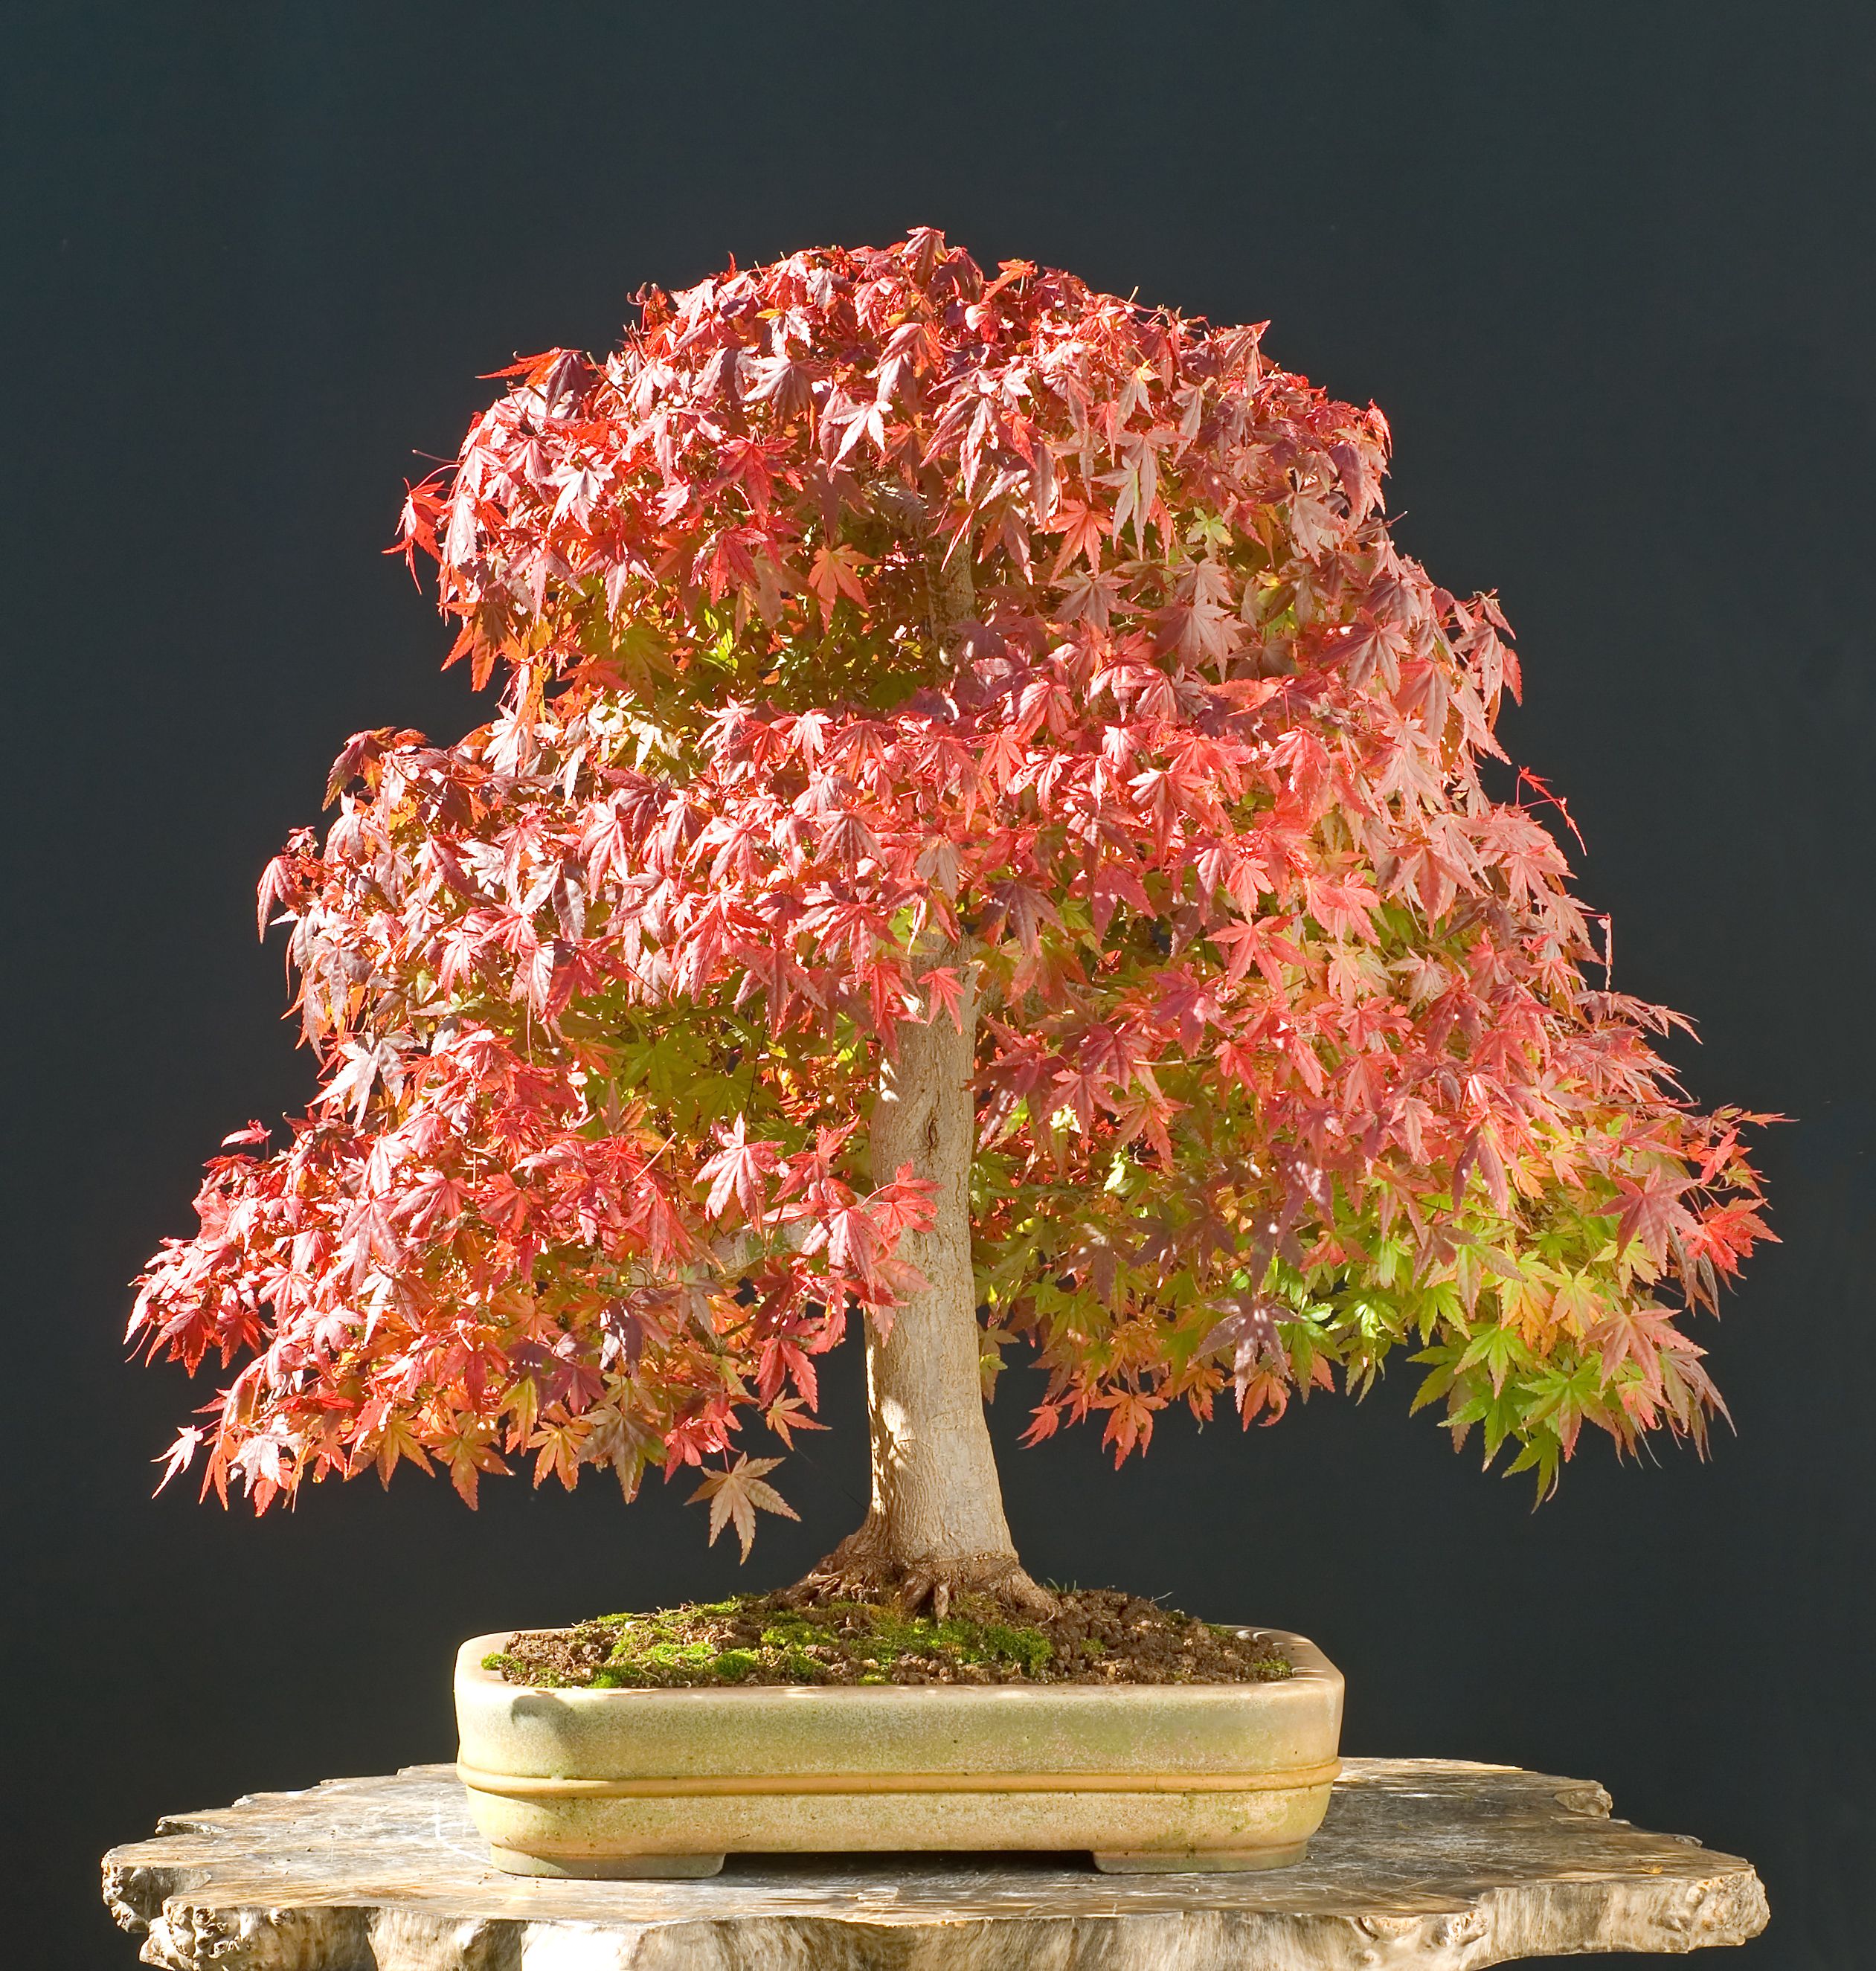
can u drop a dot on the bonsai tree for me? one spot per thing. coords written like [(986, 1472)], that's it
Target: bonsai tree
[(982, 841)]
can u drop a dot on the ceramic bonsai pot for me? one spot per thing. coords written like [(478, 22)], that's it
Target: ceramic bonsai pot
[(618, 1783)]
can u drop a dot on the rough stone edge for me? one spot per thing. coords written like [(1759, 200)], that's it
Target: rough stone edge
[(1502, 1926), (1666, 1914)]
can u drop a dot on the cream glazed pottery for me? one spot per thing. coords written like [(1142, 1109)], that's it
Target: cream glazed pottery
[(620, 1783)]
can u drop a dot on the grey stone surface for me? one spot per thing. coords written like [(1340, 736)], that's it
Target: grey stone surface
[(1431, 1863)]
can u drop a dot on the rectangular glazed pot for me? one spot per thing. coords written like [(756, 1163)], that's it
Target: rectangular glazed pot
[(1146, 1776)]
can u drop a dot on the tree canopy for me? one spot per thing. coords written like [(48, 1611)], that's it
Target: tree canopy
[(863, 625)]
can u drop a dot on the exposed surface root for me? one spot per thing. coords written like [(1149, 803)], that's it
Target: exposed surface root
[(855, 1571)]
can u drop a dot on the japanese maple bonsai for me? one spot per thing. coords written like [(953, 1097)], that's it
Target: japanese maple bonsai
[(983, 839)]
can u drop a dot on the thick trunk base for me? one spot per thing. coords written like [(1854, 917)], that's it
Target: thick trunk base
[(862, 1568)]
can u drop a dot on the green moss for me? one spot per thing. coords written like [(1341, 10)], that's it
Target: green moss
[(512, 1667), (789, 1630), (994, 1642), (730, 1642), (765, 1639)]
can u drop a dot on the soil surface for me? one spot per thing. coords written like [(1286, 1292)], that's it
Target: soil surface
[(1098, 1635)]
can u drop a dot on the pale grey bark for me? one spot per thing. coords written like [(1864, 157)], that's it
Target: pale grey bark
[(936, 1503)]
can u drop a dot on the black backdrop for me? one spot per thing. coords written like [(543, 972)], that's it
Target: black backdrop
[(1607, 267)]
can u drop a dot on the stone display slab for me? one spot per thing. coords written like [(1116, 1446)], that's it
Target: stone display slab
[(1433, 1863)]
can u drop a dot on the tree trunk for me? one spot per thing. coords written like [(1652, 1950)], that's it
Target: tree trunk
[(936, 1526)]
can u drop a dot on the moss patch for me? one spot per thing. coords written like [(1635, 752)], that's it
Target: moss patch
[(1099, 1636)]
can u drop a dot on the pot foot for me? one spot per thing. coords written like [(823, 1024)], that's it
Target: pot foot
[(607, 1868), (1209, 1862)]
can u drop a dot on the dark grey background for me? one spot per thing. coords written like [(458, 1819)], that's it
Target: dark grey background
[(1607, 268)]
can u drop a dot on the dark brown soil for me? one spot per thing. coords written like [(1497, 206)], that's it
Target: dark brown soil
[(1097, 1636)]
